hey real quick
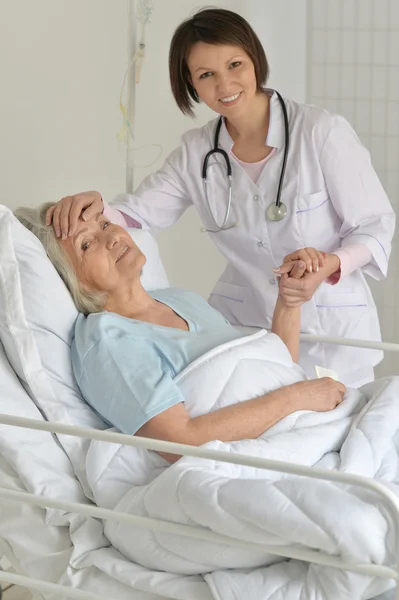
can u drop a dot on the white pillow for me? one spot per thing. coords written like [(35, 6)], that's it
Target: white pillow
[(36, 457), (37, 317), (154, 275)]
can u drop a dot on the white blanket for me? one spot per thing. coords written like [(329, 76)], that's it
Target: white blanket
[(257, 505)]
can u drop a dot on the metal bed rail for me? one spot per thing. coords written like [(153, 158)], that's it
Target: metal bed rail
[(340, 341), (387, 497)]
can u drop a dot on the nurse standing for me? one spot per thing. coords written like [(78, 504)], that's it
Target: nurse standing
[(333, 198)]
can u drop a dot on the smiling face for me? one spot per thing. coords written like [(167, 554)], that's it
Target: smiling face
[(223, 77), (104, 256)]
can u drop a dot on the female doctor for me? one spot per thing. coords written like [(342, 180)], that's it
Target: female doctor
[(272, 180)]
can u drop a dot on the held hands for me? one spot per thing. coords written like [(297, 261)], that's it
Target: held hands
[(301, 274), (65, 214)]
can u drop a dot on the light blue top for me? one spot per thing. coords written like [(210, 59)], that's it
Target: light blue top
[(125, 368)]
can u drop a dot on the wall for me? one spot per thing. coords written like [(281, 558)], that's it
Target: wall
[(62, 65), (354, 70), (281, 27), (190, 258)]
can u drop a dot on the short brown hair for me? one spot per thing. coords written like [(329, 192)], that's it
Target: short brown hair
[(212, 26)]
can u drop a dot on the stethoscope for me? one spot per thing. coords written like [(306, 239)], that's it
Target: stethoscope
[(276, 211)]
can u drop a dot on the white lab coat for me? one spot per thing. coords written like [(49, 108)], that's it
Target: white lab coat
[(334, 198)]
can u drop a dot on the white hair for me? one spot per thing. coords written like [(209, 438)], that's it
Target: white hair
[(34, 219)]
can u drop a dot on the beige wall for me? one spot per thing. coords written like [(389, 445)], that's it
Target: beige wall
[(354, 71), (62, 65)]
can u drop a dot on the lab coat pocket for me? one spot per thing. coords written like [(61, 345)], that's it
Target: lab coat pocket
[(317, 220), (342, 300), (232, 301), (229, 291), (313, 201), (243, 305), (342, 313)]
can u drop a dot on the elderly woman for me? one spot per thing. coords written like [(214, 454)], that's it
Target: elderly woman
[(130, 344)]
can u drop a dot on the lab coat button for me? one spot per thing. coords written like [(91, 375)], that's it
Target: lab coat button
[(272, 281), (256, 198), (260, 244)]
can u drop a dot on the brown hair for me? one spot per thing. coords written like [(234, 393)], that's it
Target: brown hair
[(212, 26)]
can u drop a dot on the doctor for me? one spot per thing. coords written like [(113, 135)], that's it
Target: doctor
[(300, 181)]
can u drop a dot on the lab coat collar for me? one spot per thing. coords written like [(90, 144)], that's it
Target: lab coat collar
[(275, 135)]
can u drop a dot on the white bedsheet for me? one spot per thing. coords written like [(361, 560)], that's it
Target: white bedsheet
[(81, 556), (46, 552), (258, 505), (54, 545)]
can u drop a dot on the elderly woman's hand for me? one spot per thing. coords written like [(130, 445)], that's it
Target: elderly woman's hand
[(320, 395), (65, 214), (296, 291), (295, 269)]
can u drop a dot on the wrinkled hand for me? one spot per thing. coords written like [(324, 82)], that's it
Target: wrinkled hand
[(313, 258), (65, 214), (296, 291), (320, 395), (295, 270)]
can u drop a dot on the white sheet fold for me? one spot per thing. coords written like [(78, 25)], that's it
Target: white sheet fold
[(258, 505)]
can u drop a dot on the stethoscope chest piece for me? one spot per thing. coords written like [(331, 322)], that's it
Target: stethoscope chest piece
[(276, 212)]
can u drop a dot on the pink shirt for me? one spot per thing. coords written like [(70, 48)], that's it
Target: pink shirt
[(254, 170), (120, 218), (352, 257)]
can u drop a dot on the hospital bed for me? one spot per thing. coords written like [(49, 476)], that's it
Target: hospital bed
[(19, 506), (36, 525)]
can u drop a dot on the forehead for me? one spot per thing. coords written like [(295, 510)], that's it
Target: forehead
[(203, 54), (89, 226)]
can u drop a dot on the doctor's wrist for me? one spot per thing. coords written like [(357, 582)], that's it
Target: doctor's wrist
[(332, 264)]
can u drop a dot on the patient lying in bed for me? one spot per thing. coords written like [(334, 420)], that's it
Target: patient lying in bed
[(130, 344)]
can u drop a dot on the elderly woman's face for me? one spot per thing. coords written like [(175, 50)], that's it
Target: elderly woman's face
[(104, 255)]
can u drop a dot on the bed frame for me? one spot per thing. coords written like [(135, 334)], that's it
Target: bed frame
[(386, 496)]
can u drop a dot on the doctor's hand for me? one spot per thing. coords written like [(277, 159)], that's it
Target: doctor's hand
[(65, 214), (313, 258)]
